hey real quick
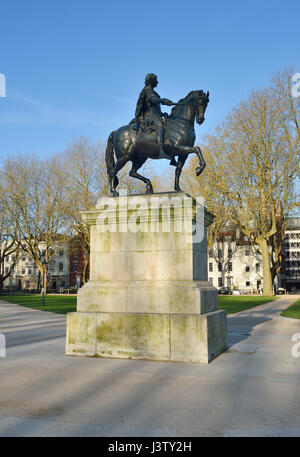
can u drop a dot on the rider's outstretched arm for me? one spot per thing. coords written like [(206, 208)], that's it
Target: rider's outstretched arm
[(163, 101), (166, 101)]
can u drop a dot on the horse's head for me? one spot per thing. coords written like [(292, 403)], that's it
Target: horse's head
[(191, 106), (201, 101)]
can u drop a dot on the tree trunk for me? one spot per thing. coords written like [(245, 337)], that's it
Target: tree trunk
[(85, 269), (267, 276), (38, 286)]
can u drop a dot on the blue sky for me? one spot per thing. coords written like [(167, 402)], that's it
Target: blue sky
[(76, 67)]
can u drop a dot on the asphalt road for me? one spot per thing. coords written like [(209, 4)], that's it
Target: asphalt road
[(250, 390)]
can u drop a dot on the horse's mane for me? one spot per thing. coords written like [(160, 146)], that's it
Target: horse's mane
[(192, 93)]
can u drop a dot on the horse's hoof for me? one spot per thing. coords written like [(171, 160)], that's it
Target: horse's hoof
[(149, 190), (199, 170)]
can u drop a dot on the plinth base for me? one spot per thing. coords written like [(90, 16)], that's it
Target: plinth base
[(148, 296), (197, 338)]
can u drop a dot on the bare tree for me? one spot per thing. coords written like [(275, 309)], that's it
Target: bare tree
[(84, 180), (254, 165), (9, 246), (34, 195), (287, 105)]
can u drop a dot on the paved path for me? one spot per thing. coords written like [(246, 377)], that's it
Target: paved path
[(251, 390)]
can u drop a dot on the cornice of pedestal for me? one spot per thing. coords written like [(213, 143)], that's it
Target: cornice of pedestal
[(163, 206)]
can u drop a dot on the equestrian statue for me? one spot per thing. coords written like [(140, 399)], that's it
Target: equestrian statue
[(156, 135)]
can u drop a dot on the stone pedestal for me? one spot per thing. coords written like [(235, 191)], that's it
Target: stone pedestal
[(148, 296)]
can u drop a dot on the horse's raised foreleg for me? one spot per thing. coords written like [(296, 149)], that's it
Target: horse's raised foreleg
[(181, 161), (136, 164), (193, 150), (202, 163)]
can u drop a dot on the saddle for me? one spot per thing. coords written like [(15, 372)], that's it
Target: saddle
[(146, 129), (146, 133)]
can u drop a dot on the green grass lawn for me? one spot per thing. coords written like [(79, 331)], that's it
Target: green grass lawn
[(292, 311), (61, 304), (235, 304)]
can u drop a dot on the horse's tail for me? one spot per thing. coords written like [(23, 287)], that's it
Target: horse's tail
[(109, 153)]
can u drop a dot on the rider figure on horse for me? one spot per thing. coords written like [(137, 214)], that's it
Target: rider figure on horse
[(148, 115)]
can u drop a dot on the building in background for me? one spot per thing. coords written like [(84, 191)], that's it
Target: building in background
[(25, 274), (58, 268), (76, 267), (64, 270), (289, 277), (234, 263)]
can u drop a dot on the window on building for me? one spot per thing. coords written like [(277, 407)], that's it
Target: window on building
[(220, 282), (27, 284), (63, 283), (13, 258), (247, 268), (75, 265), (210, 253), (23, 258), (61, 253), (23, 271), (219, 253), (29, 271), (61, 266), (75, 254), (211, 281), (257, 267), (219, 266), (210, 266), (6, 270), (247, 252), (247, 283), (229, 252), (7, 259)]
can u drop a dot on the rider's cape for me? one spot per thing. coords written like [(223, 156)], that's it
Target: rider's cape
[(140, 106), (140, 103)]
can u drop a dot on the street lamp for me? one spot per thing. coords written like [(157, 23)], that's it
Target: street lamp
[(44, 263)]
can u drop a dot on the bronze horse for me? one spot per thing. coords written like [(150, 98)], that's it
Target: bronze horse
[(179, 141)]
